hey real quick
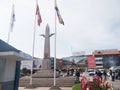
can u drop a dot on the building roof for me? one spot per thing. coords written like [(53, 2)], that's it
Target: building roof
[(8, 52), (117, 52), (6, 47)]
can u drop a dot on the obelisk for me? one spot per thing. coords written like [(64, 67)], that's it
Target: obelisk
[(46, 61), (46, 71)]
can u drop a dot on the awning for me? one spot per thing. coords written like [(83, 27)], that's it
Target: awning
[(8, 52)]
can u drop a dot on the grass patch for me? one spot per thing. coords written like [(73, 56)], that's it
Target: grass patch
[(76, 87)]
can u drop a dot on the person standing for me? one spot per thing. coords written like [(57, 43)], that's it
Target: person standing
[(105, 75), (59, 73), (113, 75), (68, 72), (110, 74), (98, 73), (77, 74)]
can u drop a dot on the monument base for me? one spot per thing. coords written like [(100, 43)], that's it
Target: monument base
[(30, 86), (55, 88), (43, 74)]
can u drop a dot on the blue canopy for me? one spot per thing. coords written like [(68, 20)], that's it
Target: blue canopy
[(6, 47)]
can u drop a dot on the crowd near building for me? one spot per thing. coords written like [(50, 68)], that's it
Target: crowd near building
[(103, 59)]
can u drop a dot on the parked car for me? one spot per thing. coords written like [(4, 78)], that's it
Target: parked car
[(101, 70), (91, 72)]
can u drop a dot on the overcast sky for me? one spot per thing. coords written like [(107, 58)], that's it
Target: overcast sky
[(89, 25)]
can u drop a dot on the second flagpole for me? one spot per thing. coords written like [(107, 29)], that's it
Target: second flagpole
[(55, 49), (33, 49), (55, 87)]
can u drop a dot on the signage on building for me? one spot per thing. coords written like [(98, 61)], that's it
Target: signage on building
[(35, 64), (91, 62), (79, 53)]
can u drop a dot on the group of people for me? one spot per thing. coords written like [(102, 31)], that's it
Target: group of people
[(103, 75), (112, 74)]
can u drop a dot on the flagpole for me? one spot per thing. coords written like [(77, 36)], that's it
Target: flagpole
[(9, 35), (55, 87), (55, 49), (33, 46)]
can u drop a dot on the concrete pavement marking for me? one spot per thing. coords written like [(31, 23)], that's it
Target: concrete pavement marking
[(44, 88)]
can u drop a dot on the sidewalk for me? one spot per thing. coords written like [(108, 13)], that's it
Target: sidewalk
[(45, 88), (116, 84)]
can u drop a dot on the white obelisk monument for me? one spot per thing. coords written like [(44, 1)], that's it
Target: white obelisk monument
[(46, 60), (46, 66)]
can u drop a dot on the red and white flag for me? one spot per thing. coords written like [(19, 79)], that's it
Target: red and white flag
[(39, 19)]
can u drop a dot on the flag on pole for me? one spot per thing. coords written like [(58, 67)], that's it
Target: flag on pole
[(58, 14), (39, 19), (12, 18)]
